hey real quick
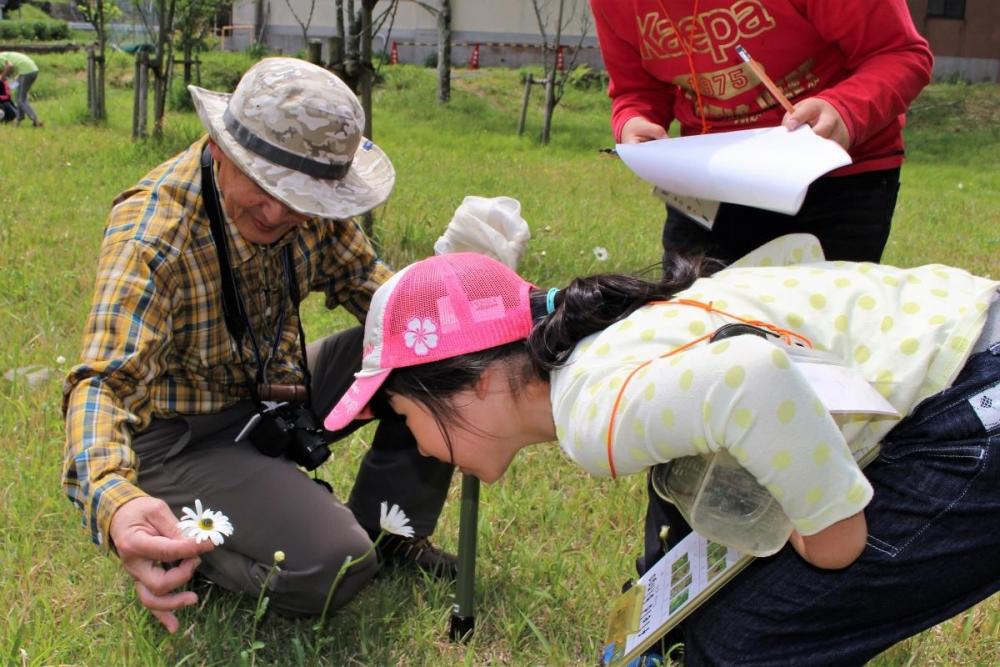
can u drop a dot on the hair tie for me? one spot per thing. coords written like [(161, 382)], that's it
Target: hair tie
[(550, 300)]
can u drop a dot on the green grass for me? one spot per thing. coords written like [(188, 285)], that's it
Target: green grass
[(554, 543)]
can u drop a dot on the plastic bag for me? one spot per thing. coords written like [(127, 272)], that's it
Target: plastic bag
[(488, 225)]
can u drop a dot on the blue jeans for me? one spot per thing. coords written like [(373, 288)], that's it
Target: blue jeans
[(933, 549)]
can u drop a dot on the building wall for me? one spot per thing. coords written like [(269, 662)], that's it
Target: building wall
[(505, 30), (968, 48)]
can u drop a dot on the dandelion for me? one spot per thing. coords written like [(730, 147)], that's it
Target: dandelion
[(204, 524), (279, 556), (394, 520), (601, 254), (60, 360)]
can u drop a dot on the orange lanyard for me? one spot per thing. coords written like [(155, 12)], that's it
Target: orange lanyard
[(790, 337), (689, 52)]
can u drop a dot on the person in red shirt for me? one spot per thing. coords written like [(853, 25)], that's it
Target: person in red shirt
[(850, 67)]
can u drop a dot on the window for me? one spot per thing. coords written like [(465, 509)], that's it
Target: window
[(946, 9)]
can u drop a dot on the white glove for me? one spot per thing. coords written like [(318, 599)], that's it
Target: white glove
[(488, 225)]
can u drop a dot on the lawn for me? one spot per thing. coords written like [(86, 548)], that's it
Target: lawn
[(555, 545)]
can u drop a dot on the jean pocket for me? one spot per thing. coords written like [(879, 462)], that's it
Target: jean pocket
[(917, 485)]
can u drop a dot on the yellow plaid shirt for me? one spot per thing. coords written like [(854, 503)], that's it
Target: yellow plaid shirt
[(156, 343)]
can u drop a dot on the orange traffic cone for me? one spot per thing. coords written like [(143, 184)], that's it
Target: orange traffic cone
[(474, 58)]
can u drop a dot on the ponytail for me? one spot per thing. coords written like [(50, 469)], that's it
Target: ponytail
[(592, 304)]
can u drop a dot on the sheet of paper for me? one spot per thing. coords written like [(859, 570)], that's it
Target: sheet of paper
[(769, 168), (702, 211), (844, 389)]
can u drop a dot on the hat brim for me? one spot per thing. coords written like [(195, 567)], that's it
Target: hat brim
[(366, 185), (354, 401)]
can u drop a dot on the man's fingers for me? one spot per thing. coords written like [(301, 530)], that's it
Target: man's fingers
[(168, 620), (172, 602), (160, 548), (159, 580)]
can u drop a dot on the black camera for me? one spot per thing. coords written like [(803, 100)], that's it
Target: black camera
[(291, 430)]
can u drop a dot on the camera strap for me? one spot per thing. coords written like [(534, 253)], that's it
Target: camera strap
[(233, 308)]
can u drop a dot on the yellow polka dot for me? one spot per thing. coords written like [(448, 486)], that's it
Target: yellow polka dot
[(816, 252), (856, 494), (739, 454), (676, 360), (638, 455), (696, 328), (909, 346), (943, 275), (667, 417), (791, 282), (814, 495), (629, 357), (735, 376), (960, 344), (821, 453), (794, 320), (647, 335), (798, 255), (642, 373), (594, 388), (862, 354), (720, 347), (781, 460), (864, 267), (819, 408), (766, 298), (625, 324), (891, 281), (786, 411), (842, 282), (742, 417), (649, 391), (779, 358), (867, 302), (806, 526), (721, 304), (775, 491), (583, 347), (938, 292), (887, 323), (560, 433), (840, 324), (664, 450), (884, 383), (638, 428), (911, 307), (602, 350), (817, 301), (671, 312), (592, 411), (615, 382), (912, 279), (767, 261), (700, 444), (687, 378), (706, 411)]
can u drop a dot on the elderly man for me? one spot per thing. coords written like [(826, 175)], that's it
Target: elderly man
[(195, 382)]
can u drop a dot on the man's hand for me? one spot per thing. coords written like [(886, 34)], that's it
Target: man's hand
[(145, 533), (637, 130), (822, 117)]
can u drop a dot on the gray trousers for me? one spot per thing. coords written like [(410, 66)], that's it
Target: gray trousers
[(24, 83), (274, 505)]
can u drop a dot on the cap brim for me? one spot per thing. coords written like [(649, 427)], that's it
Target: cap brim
[(367, 184), (354, 401)]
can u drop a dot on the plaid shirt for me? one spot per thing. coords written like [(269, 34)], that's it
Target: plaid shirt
[(156, 343)]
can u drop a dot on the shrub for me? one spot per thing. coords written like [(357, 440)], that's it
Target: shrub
[(220, 71), (34, 30)]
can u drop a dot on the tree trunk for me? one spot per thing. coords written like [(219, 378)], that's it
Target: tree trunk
[(258, 22), (338, 57), (444, 51), (550, 80)]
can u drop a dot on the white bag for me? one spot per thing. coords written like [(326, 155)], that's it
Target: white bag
[(488, 225)]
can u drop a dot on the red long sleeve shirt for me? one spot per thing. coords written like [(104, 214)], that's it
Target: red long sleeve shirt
[(864, 57)]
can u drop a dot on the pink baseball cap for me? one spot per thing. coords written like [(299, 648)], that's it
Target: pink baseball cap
[(437, 308)]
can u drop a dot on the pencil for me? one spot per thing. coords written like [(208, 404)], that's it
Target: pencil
[(764, 78)]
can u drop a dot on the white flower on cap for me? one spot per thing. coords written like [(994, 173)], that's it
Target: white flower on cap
[(421, 336)]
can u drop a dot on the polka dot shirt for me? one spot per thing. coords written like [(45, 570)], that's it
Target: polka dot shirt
[(908, 331)]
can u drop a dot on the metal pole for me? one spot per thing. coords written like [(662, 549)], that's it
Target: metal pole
[(463, 617)]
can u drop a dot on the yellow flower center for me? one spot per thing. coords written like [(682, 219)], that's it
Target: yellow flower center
[(205, 523)]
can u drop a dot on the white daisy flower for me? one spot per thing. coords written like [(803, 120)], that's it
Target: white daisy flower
[(393, 520), (204, 524), (601, 254), (60, 360), (421, 335)]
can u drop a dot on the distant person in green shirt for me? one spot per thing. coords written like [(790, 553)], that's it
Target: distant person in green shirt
[(22, 68)]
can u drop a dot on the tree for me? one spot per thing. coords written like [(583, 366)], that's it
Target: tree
[(304, 25), (441, 10), (195, 20), (161, 61), (555, 81), (98, 14)]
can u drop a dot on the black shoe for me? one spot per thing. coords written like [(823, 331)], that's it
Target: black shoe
[(419, 553)]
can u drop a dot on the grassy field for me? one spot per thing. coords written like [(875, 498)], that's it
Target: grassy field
[(554, 544)]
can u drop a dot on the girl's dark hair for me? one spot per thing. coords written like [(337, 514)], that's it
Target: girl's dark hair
[(586, 306)]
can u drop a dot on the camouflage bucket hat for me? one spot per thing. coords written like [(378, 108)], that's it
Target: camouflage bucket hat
[(296, 130)]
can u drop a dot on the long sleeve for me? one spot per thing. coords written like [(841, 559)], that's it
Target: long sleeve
[(349, 271), (633, 91), (743, 395), (126, 334), (890, 62)]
